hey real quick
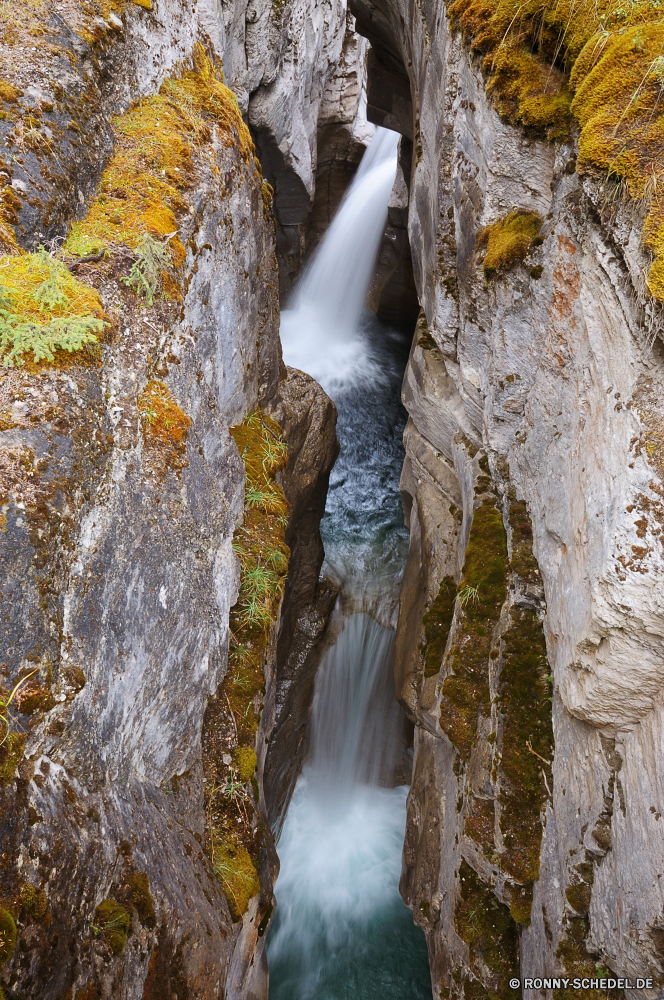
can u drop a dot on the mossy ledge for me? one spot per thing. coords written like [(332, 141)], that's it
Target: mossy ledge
[(599, 64), (485, 924), (234, 831), (482, 592)]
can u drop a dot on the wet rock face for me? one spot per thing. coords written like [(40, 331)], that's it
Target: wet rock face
[(530, 388)]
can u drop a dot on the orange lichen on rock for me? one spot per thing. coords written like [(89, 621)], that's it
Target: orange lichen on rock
[(162, 419)]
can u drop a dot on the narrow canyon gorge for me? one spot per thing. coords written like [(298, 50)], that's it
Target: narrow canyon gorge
[(331, 499)]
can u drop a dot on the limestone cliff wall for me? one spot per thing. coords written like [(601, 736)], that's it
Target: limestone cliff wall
[(533, 485)]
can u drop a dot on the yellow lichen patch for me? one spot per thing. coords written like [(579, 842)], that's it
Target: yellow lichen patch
[(508, 240), (44, 308), (141, 190), (162, 419), (144, 3)]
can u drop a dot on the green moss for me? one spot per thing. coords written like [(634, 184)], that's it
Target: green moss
[(112, 922), (134, 890), (437, 623), (578, 896), (466, 687), (508, 241), (526, 748), (44, 308), (578, 961), (11, 754), (245, 758), (485, 924), (33, 900), (7, 935), (521, 903)]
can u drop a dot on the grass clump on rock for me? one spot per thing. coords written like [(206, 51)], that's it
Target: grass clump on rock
[(112, 922), (508, 241), (43, 309)]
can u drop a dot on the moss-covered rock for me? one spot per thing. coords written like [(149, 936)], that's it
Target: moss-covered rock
[(134, 890), (485, 924), (437, 623), (112, 922), (11, 754), (507, 241), (245, 758), (7, 935), (526, 747), (482, 593), (33, 900)]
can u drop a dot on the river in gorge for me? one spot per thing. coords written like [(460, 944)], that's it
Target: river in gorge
[(341, 930)]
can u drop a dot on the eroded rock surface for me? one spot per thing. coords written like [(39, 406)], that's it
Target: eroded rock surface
[(533, 398)]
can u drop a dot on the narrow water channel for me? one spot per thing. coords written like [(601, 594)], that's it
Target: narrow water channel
[(341, 929)]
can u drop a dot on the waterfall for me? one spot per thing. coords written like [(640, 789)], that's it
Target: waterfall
[(341, 930), (320, 329)]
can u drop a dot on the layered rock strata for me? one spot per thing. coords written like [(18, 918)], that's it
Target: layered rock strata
[(529, 645)]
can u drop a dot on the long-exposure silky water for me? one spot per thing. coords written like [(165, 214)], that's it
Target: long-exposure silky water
[(341, 929)]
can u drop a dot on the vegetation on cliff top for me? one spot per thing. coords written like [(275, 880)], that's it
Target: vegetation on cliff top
[(599, 63), (43, 306), (232, 718)]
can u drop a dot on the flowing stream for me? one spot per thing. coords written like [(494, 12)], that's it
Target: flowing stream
[(341, 930)]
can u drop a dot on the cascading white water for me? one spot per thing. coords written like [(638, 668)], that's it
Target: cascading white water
[(320, 329), (341, 929)]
